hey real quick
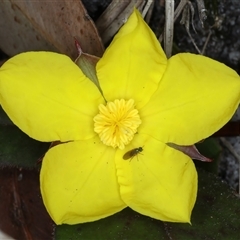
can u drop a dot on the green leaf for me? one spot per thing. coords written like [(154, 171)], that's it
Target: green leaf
[(124, 225), (16, 148), (4, 119), (215, 216), (19, 150)]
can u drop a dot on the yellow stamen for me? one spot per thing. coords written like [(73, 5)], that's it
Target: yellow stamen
[(117, 122)]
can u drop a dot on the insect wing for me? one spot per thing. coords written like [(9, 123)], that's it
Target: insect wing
[(130, 154)]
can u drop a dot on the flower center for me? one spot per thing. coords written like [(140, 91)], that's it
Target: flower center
[(117, 122)]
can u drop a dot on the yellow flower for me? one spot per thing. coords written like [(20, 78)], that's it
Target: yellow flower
[(115, 153)]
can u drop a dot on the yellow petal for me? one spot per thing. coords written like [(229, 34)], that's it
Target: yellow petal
[(48, 97), (196, 97), (159, 182), (78, 182), (133, 64)]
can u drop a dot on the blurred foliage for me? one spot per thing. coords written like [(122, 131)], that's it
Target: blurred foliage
[(16, 148), (211, 148), (215, 216)]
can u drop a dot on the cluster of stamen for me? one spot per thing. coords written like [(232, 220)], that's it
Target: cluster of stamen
[(117, 122)]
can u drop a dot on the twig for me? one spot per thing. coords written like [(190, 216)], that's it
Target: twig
[(149, 13), (179, 9), (146, 8), (206, 42), (202, 11), (168, 31), (177, 12)]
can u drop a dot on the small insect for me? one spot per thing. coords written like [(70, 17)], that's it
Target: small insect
[(132, 153)]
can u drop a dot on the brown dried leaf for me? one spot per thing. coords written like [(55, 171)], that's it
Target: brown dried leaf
[(23, 215), (47, 25), (114, 17)]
